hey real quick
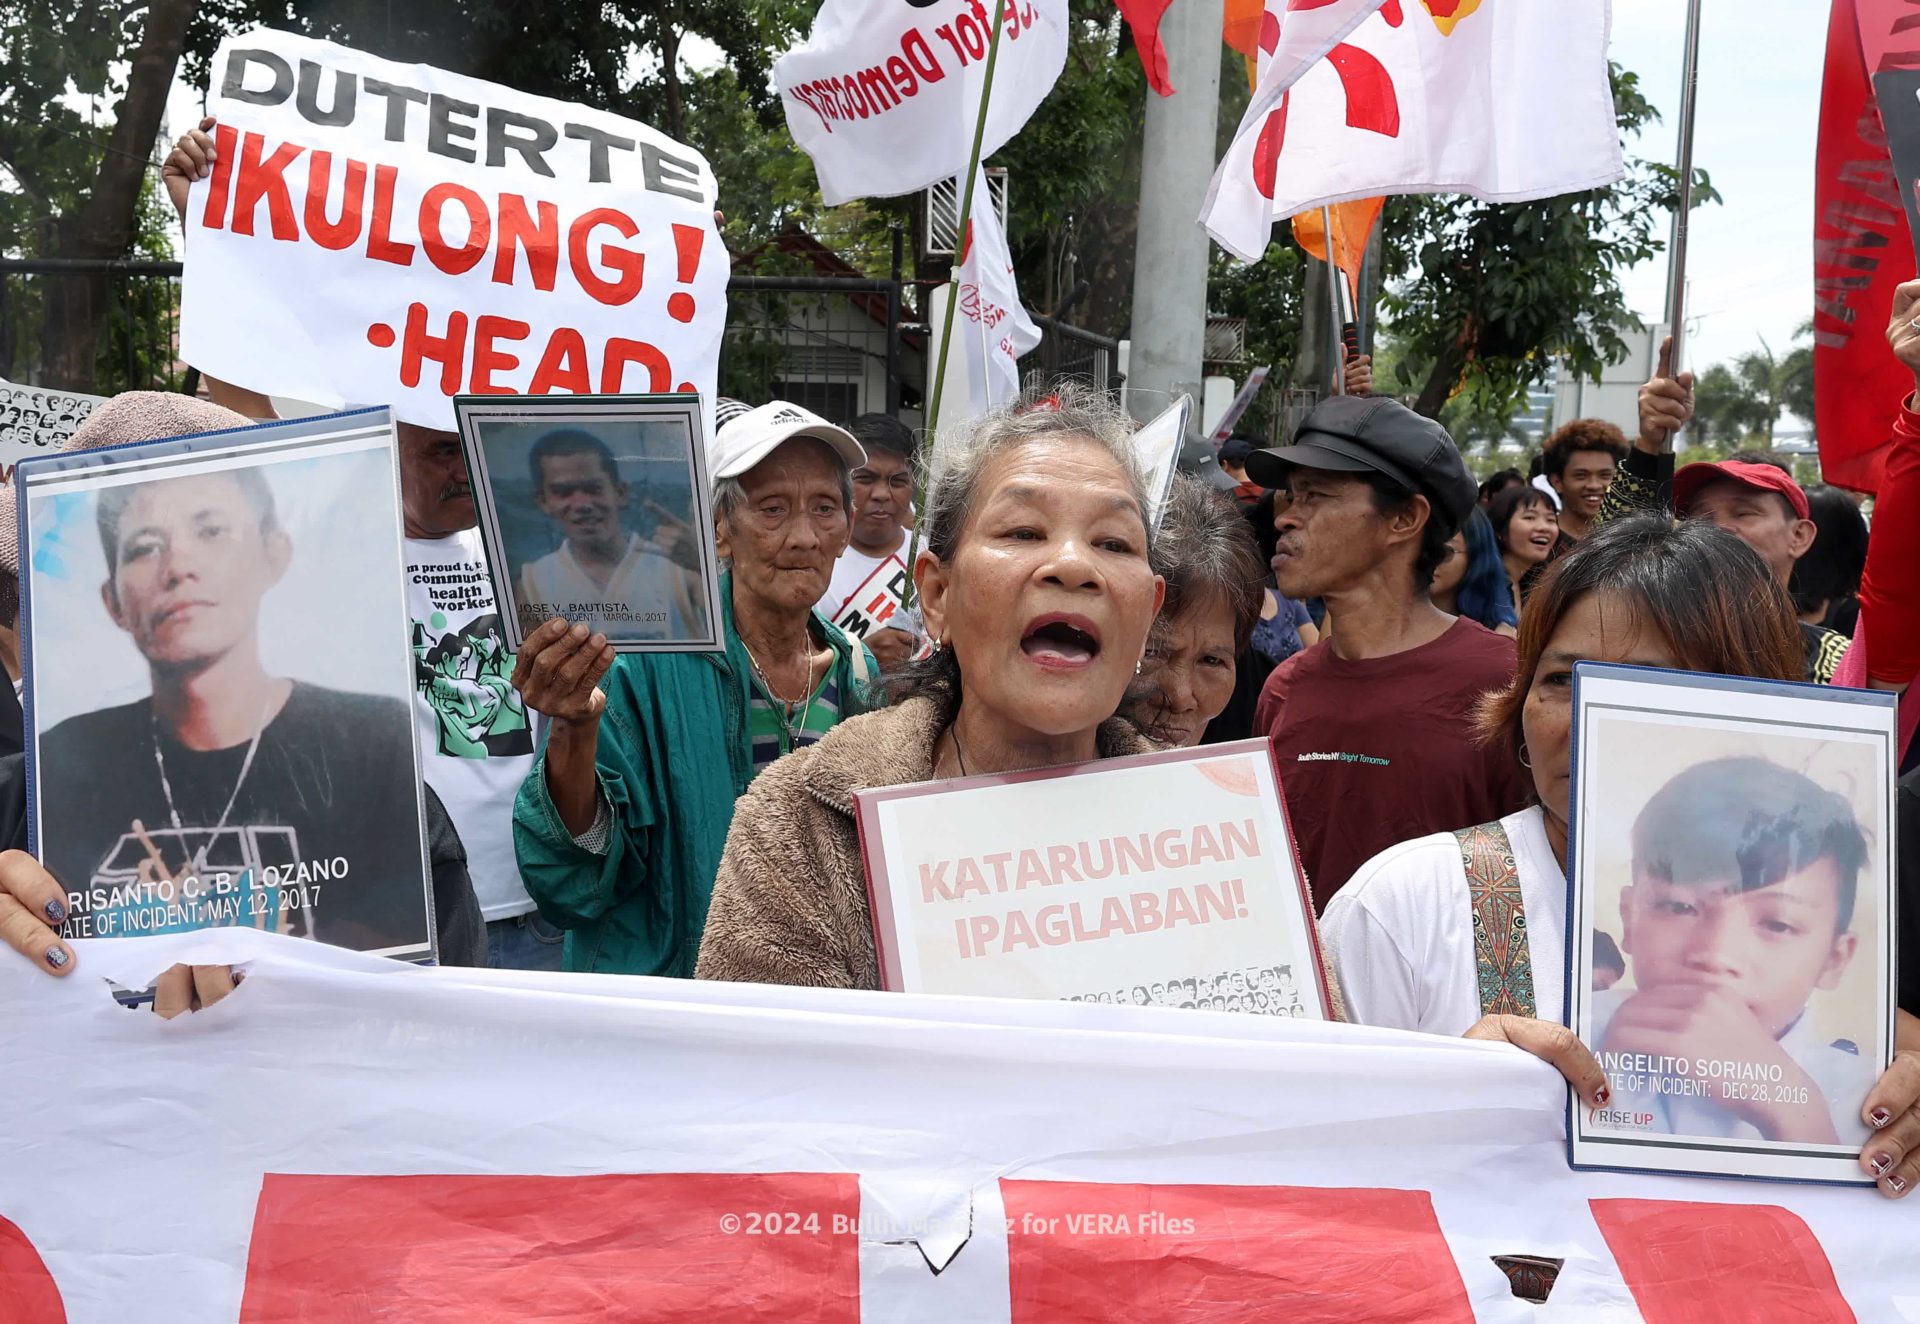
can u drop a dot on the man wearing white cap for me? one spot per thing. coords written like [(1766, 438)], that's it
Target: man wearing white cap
[(619, 827)]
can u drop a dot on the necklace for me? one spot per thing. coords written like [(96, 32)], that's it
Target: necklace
[(959, 754), (197, 863), (784, 709)]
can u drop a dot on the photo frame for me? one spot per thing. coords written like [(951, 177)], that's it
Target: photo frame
[(1730, 920), (219, 685), (597, 508), (1100, 881)]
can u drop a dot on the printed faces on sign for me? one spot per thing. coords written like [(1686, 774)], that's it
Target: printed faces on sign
[(286, 796), (1730, 928), (595, 509), (1163, 879)]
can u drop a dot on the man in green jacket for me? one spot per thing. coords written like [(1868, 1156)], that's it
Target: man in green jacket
[(620, 824)]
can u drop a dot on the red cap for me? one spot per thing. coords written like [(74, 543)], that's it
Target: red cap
[(1688, 482)]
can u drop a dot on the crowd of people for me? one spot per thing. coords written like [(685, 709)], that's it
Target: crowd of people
[(1401, 634)]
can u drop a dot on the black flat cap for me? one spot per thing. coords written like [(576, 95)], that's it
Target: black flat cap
[(1375, 434)]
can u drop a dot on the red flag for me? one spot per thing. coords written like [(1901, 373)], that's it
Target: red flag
[(1143, 17), (1861, 251)]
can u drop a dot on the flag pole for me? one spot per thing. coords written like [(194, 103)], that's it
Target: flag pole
[(1677, 249), (946, 328), (1335, 368)]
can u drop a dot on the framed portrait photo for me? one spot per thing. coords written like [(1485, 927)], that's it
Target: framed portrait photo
[(597, 509), (1730, 920), (219, 686), (1166, 879)]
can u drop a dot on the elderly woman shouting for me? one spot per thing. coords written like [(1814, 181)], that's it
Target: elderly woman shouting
[(619, 826), (1037, 593)]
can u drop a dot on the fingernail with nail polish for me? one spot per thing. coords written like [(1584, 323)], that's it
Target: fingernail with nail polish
[(1602, 1096), (1881, 1162), (57, 957), (1879, 1117), (56, 912), (1898, 1185)]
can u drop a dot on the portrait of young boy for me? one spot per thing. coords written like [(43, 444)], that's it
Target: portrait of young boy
[(1741, 911)]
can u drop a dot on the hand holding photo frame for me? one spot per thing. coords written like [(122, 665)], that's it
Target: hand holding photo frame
[(597, 509), (1161, 879), (1730, 920), (219, 686)]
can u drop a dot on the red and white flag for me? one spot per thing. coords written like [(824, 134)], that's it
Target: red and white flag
[(991, 331), (1505, 100)]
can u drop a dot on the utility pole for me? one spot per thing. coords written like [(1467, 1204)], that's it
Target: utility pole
[(1172, 250)]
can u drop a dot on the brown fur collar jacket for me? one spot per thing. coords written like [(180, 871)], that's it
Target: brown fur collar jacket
[(790, 901)]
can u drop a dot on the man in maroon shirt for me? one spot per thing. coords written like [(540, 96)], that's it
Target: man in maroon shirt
[(1373, 728)]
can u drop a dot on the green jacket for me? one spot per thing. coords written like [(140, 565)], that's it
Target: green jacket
[(673, 757)]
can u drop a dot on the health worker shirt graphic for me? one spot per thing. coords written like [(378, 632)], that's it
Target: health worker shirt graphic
[(464, 674)]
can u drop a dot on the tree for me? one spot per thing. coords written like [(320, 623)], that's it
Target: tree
[(78, 185), (1488, 296), (1725, 410)]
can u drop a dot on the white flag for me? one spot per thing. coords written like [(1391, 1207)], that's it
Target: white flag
[(1239, 211), (991, 330), (883, 94), (1505, 100)]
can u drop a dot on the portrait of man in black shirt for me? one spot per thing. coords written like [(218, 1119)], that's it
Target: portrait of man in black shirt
[(229, 796)]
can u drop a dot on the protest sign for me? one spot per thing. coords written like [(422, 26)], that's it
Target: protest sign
[(1730, 928), (238, 747), (1242, 401), (1096, 882), (884, 95), (1156, 445), (596, 509), (375, 232), (491, 1146), (35, 421), (876, 603)]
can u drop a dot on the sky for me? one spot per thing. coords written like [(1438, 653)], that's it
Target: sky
[(1750, 257)]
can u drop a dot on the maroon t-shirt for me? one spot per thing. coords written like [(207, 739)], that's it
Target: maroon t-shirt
[(1381, 751)]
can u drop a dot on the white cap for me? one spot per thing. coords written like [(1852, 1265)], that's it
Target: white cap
[(750, 438)]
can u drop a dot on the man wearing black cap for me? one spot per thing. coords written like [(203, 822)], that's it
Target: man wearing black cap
[(1373, 728)]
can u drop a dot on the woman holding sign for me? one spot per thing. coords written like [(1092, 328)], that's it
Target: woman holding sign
[(1038, 595), (1402, 934)]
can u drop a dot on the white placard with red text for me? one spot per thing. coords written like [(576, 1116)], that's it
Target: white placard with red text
[(883, 94), (1105, 879), (394, 234), (347, 1138)]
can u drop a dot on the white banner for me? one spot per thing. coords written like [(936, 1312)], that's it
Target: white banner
[(1501, 100), (345, 1138), (380, 233), (884, 94)]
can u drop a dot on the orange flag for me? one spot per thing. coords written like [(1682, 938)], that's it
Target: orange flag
[(1353, 224), (1240, 29)]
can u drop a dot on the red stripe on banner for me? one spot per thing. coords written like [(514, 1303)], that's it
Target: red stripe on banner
[(28, 1294), (1689, 1263), (1093, 1252), (1861, 252), (696, 1247)]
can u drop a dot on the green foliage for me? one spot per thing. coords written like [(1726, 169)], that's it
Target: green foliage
[(1268, 294), (1487, 296), (1737, 404)]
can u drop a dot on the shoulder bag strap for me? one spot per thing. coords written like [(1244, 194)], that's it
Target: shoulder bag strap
[(1503, 967)]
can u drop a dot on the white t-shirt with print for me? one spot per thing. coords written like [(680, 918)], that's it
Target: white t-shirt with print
[(1399, 935), (883, 579), (476, 736)]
